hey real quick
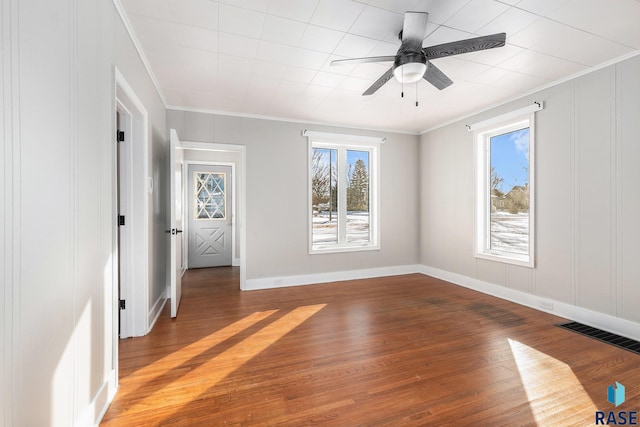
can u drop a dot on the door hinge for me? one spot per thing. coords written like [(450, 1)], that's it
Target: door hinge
[(120, 135), (123, 305), (120, 219)]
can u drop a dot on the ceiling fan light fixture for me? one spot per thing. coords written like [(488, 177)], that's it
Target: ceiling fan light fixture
[(410, 72)]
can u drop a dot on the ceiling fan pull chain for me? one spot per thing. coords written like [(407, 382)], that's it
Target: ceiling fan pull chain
[(416, 94), (402, 86)]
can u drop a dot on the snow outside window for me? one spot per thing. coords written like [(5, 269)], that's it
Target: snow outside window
[(343, 197), (505, 192)]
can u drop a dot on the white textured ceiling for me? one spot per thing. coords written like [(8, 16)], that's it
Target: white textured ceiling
[(271, 58)]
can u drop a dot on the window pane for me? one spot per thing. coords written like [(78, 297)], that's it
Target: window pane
[(324, 194), (509, 184), (210, 195), (358, 196)]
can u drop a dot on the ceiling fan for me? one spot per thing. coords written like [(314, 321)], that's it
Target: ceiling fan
[(412, 62)]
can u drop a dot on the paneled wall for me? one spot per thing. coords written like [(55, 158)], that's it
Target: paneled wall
[(277, 195), (627, 190), (58, 214), (587, 196)]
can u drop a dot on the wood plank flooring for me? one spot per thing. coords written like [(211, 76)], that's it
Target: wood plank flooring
[(404, 350)]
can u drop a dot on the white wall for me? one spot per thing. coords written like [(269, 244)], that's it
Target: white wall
[(277, 235), (587, 196), (58, 205)]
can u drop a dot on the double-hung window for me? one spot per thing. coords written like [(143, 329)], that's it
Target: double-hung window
[(343, 195), (504, 187)]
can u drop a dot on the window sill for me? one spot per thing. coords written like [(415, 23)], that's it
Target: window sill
[(319, 249), (514, 259)]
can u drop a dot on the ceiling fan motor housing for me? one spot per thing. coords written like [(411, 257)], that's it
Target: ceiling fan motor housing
[(409, 58)]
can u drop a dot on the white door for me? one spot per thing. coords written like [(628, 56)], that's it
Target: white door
[(121, 182), (210, 216), (174, 231)]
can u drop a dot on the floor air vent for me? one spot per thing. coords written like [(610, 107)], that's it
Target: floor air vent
[(604, 336)]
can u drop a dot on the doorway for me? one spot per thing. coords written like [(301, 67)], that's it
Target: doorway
[(221, 155), (131, 205)]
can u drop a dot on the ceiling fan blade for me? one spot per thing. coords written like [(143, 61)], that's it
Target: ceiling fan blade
[(362, 60), (464, 46), (436, 77), (413, 30), (379, 83)]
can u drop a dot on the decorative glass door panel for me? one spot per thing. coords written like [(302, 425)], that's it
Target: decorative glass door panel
[(210, 195)]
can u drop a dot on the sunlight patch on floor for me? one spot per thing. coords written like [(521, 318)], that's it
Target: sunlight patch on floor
[(178, 358), (548, 383), (203, 377)]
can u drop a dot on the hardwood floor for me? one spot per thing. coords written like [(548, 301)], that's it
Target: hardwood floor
[(404, 350)]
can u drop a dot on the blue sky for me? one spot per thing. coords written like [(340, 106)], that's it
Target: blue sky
[(353, 156), (509, 153)]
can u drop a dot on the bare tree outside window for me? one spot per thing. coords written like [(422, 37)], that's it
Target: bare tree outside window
[(324, 195)]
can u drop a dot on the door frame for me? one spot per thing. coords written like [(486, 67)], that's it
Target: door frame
[(187, 206), (239, 193), (139, 188)]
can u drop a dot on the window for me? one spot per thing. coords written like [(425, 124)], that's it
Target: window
[(505, 191), (343, 196), (209, 197)]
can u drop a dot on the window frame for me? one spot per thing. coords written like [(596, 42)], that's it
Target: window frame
[(482, 209), (342, 145)]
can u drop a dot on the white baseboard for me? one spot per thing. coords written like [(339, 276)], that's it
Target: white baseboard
[(235, 262), (592, 318), (155, 311), (94, 413), (337, 276)]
